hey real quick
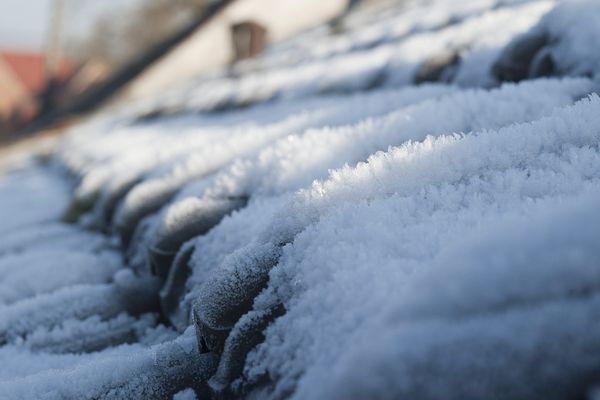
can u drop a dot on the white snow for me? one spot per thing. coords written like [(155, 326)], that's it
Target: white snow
[(432, 241)]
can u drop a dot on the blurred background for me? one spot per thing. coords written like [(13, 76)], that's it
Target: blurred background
[(54, 50), (64, 57)]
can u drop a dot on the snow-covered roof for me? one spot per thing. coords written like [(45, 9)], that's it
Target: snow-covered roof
[(371, 210)]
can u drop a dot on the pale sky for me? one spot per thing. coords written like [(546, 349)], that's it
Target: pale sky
[(24, 23)]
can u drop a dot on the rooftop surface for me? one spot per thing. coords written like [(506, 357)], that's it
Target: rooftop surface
[(399, 204)]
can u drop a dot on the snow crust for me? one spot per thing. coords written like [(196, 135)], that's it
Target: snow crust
[(331, 220)]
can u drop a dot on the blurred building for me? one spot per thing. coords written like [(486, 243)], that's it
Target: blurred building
[(229, 31), (23, 84), (240, 29)]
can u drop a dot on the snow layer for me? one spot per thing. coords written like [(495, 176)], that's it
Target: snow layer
[(541, 326), (314, 224), (404, 219), (35, 189)]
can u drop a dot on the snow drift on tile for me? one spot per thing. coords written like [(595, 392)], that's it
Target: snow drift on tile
[(405, 206)]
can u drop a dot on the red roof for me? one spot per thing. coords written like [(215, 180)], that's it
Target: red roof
[(30, 68)]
